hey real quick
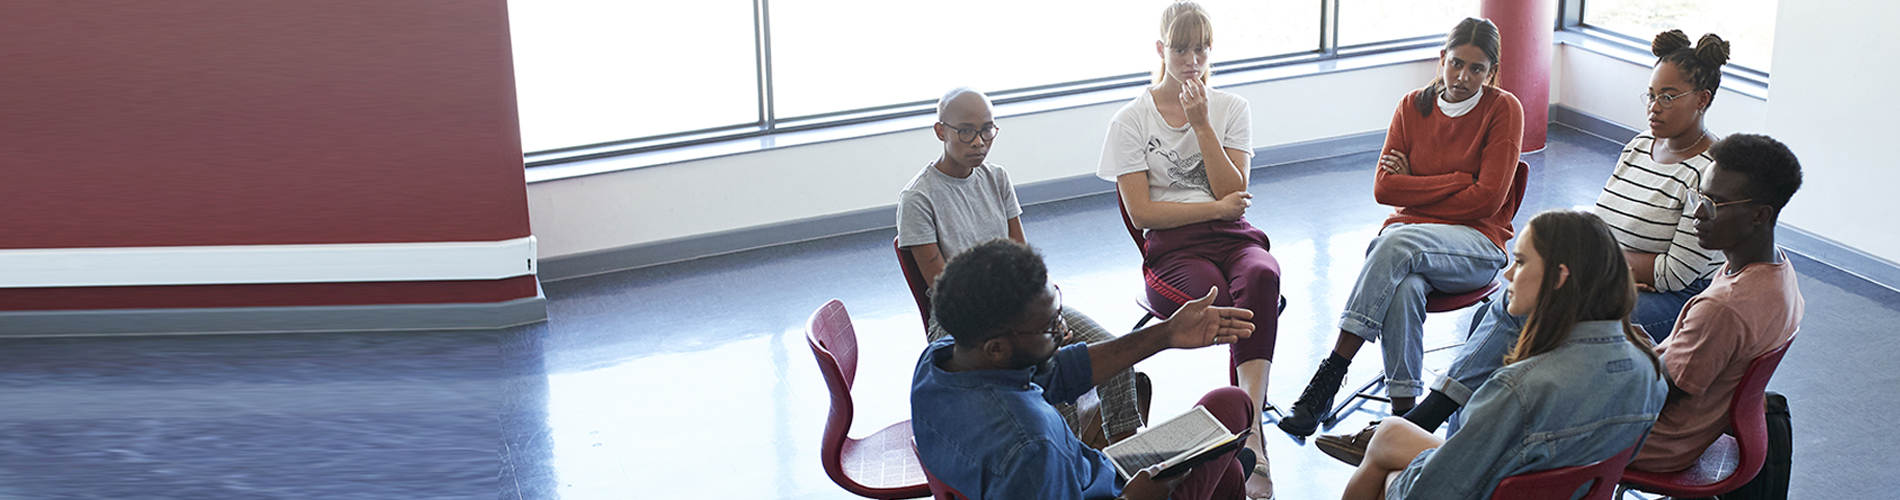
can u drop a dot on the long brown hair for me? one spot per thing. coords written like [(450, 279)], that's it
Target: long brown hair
[(1599, 286), (1471, 31)]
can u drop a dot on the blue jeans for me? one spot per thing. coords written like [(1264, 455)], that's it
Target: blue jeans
[(1403, 263), (1656, 312)]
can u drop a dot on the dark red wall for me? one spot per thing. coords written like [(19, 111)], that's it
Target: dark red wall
[(246, 122)]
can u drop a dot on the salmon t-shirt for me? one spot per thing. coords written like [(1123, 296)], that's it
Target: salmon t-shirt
[(1741, 316)]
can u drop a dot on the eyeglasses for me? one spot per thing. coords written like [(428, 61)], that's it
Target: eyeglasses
[(1665, 99), (988, 131), (1058, 327), (1696, 201)]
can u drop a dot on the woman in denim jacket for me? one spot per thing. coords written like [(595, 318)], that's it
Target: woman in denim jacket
[(1581, 386)]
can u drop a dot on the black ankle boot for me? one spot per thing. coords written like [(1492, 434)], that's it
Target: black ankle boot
[(1316, 400)]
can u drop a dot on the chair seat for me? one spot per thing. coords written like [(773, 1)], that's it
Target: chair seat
[(1716, 464), (883, 459), (1438, 302)]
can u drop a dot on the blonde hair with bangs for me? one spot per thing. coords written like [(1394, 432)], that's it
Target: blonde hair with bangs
[(1181, 24)]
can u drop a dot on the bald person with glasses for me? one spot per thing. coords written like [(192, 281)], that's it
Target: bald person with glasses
[(961, 200)]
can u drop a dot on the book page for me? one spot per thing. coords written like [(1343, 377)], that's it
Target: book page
[(1168, 443)]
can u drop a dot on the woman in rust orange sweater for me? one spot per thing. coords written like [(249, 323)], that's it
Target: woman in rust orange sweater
[(1449, 163)]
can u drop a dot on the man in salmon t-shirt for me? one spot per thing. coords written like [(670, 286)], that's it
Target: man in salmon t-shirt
[(1751, 306)]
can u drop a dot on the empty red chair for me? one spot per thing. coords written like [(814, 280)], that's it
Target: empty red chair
[(882, 465)]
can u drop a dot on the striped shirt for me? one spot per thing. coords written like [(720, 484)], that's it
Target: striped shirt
[(1643, 202)]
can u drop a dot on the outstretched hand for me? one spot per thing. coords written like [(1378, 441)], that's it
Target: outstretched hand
[(1200, 323)]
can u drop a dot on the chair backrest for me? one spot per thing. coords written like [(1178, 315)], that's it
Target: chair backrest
[(938, 490), (1560, 483), (915, 276), (835, 344), (1141, 242), (1729, 462), (1745, 413), (1516, 198)]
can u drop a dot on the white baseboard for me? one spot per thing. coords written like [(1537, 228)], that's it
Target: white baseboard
[(248, 264)]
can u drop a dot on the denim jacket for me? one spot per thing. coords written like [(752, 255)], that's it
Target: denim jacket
[(1591, 398)]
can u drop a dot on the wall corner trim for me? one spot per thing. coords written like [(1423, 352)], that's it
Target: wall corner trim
[(229, 320), (1592, 124), (1851, 260)]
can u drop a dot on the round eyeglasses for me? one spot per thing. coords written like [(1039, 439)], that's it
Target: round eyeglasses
[(1666, 100), (1696, 201), (968, 135)]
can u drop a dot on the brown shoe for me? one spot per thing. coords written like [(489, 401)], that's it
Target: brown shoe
[(1348, 448)]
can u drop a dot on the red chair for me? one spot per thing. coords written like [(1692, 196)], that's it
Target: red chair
[(882, 465), (1438, 302), (919, 290), (1734, 458), (938, 490), (1559, 484)]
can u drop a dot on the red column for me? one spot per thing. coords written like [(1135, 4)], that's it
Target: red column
[(1526, 27)]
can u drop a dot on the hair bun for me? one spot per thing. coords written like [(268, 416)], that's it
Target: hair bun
[(1711, 50), (1671, 41)]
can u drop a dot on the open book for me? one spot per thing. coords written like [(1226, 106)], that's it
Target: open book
[(1177, 444)]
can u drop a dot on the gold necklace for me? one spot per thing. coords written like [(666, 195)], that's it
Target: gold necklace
[(1698, 141)]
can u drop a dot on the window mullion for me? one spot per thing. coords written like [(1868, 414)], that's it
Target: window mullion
[(762, 31)]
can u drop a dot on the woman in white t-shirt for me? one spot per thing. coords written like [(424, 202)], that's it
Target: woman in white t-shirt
[(1178, 155)]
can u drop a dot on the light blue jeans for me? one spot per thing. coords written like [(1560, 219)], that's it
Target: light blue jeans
[(1403, 263)]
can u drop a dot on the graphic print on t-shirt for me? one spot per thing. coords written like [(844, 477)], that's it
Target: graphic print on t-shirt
[(1189, 171)]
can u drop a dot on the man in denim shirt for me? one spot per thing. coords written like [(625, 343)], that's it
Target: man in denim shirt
[(980, 399)]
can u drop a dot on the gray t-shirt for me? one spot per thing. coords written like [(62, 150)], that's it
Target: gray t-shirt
[(956, 214)]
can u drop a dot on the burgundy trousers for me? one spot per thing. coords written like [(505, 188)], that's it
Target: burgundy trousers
[(1184, 262)]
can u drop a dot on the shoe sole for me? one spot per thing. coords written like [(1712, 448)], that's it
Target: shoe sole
[(1286, 425)]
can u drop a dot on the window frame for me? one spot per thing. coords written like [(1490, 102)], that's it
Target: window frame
[(1570, 19), (769, 125)]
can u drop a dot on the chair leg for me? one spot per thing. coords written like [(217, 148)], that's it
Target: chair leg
[(1145, 318), (1359, 397)]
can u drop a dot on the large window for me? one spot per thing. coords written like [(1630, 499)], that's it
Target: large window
[(1372, 21), (1748, 25), (838, 55), (595, 75), (595, 71)]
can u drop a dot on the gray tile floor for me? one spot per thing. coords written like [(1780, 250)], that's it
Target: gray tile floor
[(692, 380)]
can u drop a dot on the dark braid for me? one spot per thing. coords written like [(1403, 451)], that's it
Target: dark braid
[(1701, 63)]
